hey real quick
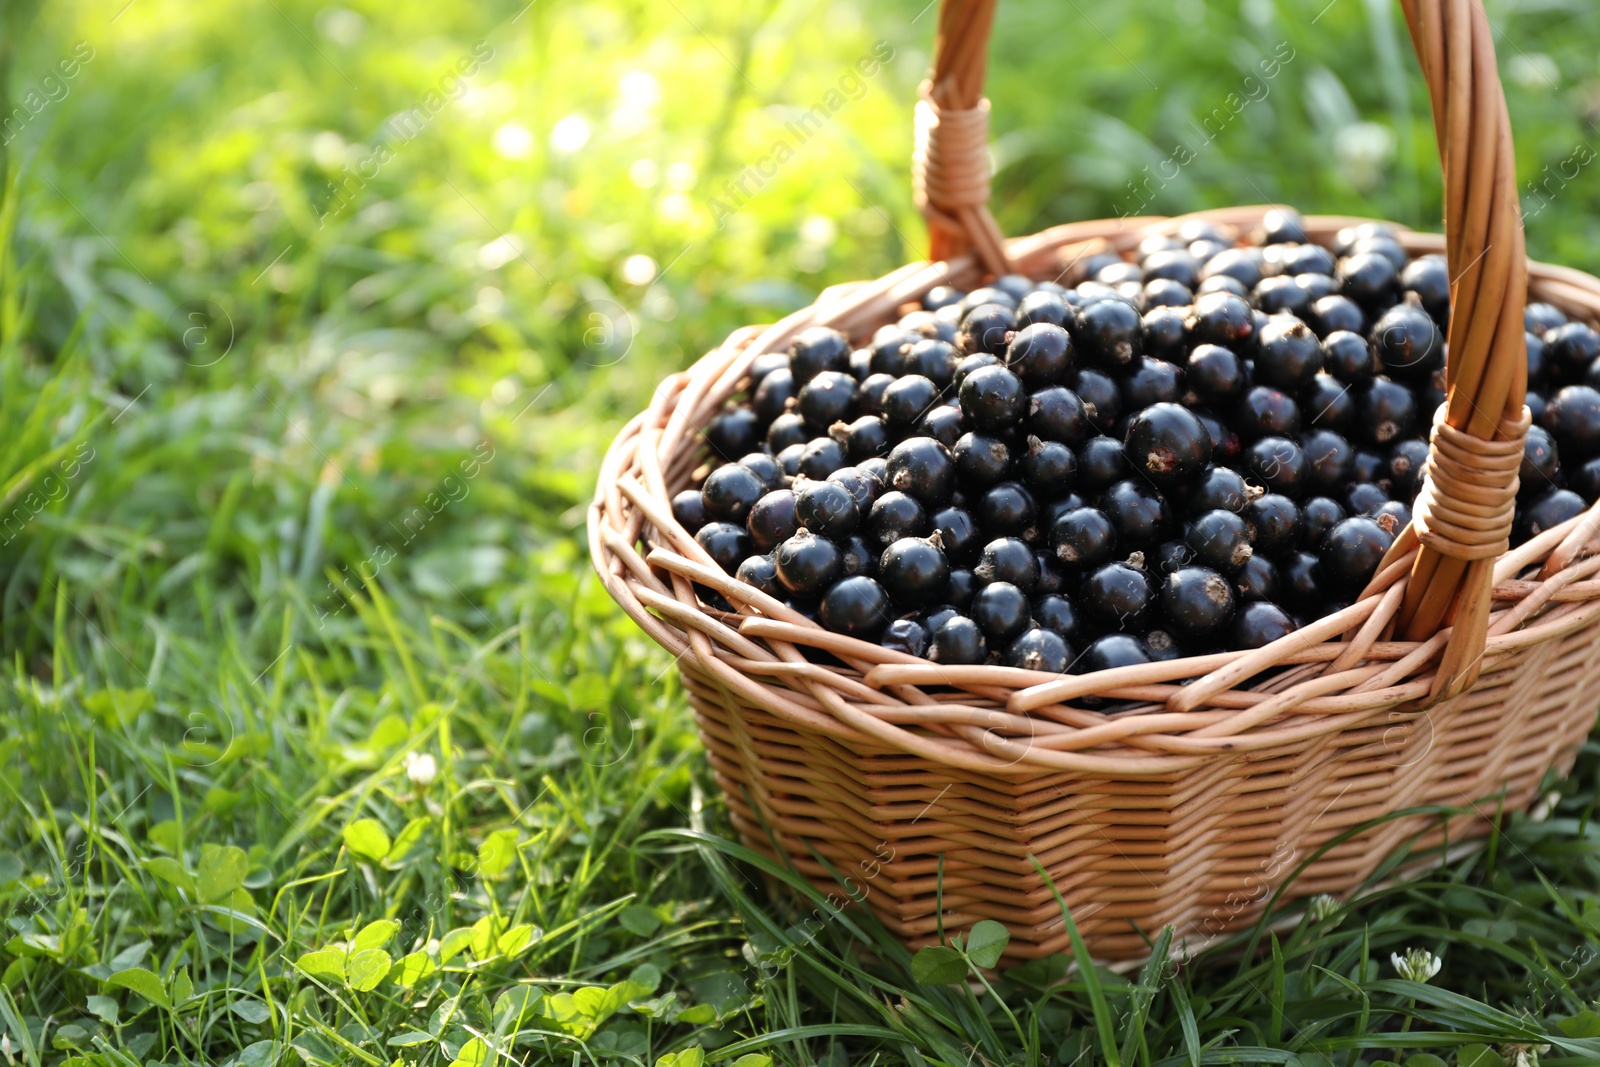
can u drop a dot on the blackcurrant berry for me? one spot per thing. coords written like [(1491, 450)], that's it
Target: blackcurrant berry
[(734, 432), (1573, 419), (1220, 540), (981, 459), (1216, 374), (1109, 334), (934, 359), (1552, 509), (1256, 580), (1368, 278), (1386, 411), (1329, 459), (957, 640), (1138, 513), (1150, 381), (1570, 349), (1057, 613), (1002, 611), (856, 606), (787, 429), (1008, 508), (1328, 403), (1049, 468), (821, 457), (1221, 319), (1196, 602), (1281, 295), (1266, 412), (762, 573), (959, 535), (1042, 307), (1428, 277), (1101, 464), (992, 398), (905, 635), (1163, 332), (1288, 354), (1541, 317), (1319, 515), (1083, 538), (1280, 465), (1301, 575), (923, 468), (1102, 399), (730, 492), (689, 509), (772, 520), (1167, 444), (1332, 314), (1243, 264), (1217, 488), (816, 349), (1057, 414), (1274, 522), (1120, 596), (1039, 650), (1259, 623), (1112, 651), (827, 509), (726, 544), (987, 328), (895, 515), (1282, 226), (907, 400), (1008, 559), (1351, 552), (1040, 355), (826, 399), (1539, 462), (943, 423), (1407, 343), (772, 396), (914, 570)]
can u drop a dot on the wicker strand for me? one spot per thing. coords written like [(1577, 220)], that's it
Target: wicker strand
[(1468, 499)]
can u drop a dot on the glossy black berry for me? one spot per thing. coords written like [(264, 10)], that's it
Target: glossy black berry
[(1329, 404), (1219, 540), (689, 509), (1573, 419), (1008, 508), (827, 509), (726, 543), (1274, 523), (826, 399), (1540, 459), (772, 396), (787, 429), (1216, 488), (1428, 278), (957, 640), (1386, 411), (1259, 623), (934, 359), (1138, 513), (1216, 374), (987, 328), (1049, 468), (907, 400), (1102, 399), (730, 492), (959, 535), (857, 607), (1302, 581), (895, 515), (864, 438), (914, 570), (816, 349), (1055, 612), (1109, 334), (1570, 349), (1368, 278), (1288, 354), (1222, 319), (1245, 265), (923, 468), (1040, 355), (1112, 651), (1002, 611), (1042, 307), (1119, 596), (1282, 226), (1150, 381), (1540, 317), (1256, 580), (1101, 464), (1008, 559), (1196, 602), (1083, 538), (1039, 649), (1167, 444), (1332, 314), (1319, 515), (856, 556), (1348, 357), (981, 459), (992, 398), (1351, 552), (1280, 465), (762, 573), (1057, 414), (1266, 412), (1407, 343), (1552, 509), (962, 587), (1163, 331), (943, 423), (772, 520), (734, 432), (906, 635), (821, 457)]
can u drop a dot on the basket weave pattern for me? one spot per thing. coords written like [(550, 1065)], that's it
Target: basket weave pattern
[(1174, 793)]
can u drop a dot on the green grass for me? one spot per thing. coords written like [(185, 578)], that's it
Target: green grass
[(294, 472)]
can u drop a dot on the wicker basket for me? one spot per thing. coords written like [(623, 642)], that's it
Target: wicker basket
[(1463, 674)]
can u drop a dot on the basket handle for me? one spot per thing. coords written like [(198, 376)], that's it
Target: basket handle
[(1463, 516)]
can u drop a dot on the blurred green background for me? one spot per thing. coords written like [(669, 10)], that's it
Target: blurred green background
[(315, 321)]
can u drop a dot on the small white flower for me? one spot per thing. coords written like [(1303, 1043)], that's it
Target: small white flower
[(1547, 804), (1322, 906), (1417, 965), (1522, 1055), (421, 768)]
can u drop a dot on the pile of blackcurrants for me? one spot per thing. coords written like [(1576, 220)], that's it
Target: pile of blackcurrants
[(1199, 449)]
